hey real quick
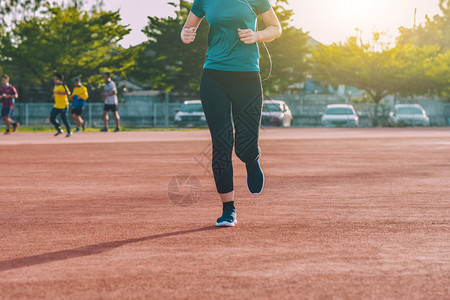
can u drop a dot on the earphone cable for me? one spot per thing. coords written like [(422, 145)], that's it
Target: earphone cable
[(264, 44)]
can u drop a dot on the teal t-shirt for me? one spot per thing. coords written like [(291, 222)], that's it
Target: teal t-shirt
[(226, 52)]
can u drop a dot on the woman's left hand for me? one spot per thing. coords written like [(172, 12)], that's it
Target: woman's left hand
[(248, 36)]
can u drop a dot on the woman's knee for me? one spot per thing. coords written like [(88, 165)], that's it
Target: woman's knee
[(248, 153)]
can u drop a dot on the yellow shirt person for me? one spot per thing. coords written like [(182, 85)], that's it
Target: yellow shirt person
[(79, 97), (81, 92), (61, 97)]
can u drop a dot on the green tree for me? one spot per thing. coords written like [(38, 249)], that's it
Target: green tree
[(165, 62), (438, 71), (435, 31), (18, 9), (288, 53), (374, 67), (66, 39)]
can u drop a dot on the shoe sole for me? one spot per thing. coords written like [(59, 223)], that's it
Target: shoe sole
[(226, 224)]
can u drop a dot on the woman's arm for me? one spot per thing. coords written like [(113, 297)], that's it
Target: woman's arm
[(189, 28), (272, 31)]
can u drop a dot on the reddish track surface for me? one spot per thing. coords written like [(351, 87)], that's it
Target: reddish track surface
[(345, 214)]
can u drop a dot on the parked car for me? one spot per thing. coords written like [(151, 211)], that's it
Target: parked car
[(340, 115), (190, 115), (276, 113), (409, 115)]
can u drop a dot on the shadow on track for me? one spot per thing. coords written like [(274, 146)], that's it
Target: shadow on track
[(87, 250)]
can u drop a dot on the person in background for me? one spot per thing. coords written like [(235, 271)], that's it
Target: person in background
[(61, 95), (111, 103), (79, 97), (8, 93)]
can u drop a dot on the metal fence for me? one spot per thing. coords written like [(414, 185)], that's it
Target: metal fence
[(305, 109), (133, 114)]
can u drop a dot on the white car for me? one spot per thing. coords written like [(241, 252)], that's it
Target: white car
[(340, 115), (190, 115), (276, 113), (409, 115)]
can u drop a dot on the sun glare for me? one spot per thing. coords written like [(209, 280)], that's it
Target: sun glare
[(335, 20), (354, 6)]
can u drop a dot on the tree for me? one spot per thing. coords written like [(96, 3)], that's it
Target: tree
[(438, 71), (435, 31), (18, 9), (165, 62), (66, 39), (374, 67), (288, 53)]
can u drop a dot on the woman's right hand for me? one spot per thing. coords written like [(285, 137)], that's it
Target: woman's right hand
[(188, 35)]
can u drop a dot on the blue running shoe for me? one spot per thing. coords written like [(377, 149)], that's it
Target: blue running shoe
[(228, 219), (60, 131), (255, 177)]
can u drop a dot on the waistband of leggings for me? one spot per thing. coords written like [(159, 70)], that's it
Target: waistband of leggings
[(233, 74)]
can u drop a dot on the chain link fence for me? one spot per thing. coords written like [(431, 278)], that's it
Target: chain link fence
[(131, 114), (306, 110)]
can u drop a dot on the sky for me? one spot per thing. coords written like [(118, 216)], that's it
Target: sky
[(327, 21)]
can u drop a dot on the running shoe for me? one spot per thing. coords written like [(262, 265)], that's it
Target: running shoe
[(60, 131), (104, 129), (84, 125), (77, 130), (16, 125), (7, 131), (69, 134), (228, 219), (117, 129), (255, 177)]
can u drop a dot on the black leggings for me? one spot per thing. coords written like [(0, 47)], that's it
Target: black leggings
[(231, 98), (63, 112)]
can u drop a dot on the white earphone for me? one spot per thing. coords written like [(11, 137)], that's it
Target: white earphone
[(248, 4), (264, 44)]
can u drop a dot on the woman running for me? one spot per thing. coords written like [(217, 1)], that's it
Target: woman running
[(230, 88)]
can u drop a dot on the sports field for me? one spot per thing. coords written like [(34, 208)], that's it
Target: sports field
[(345, 214)]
